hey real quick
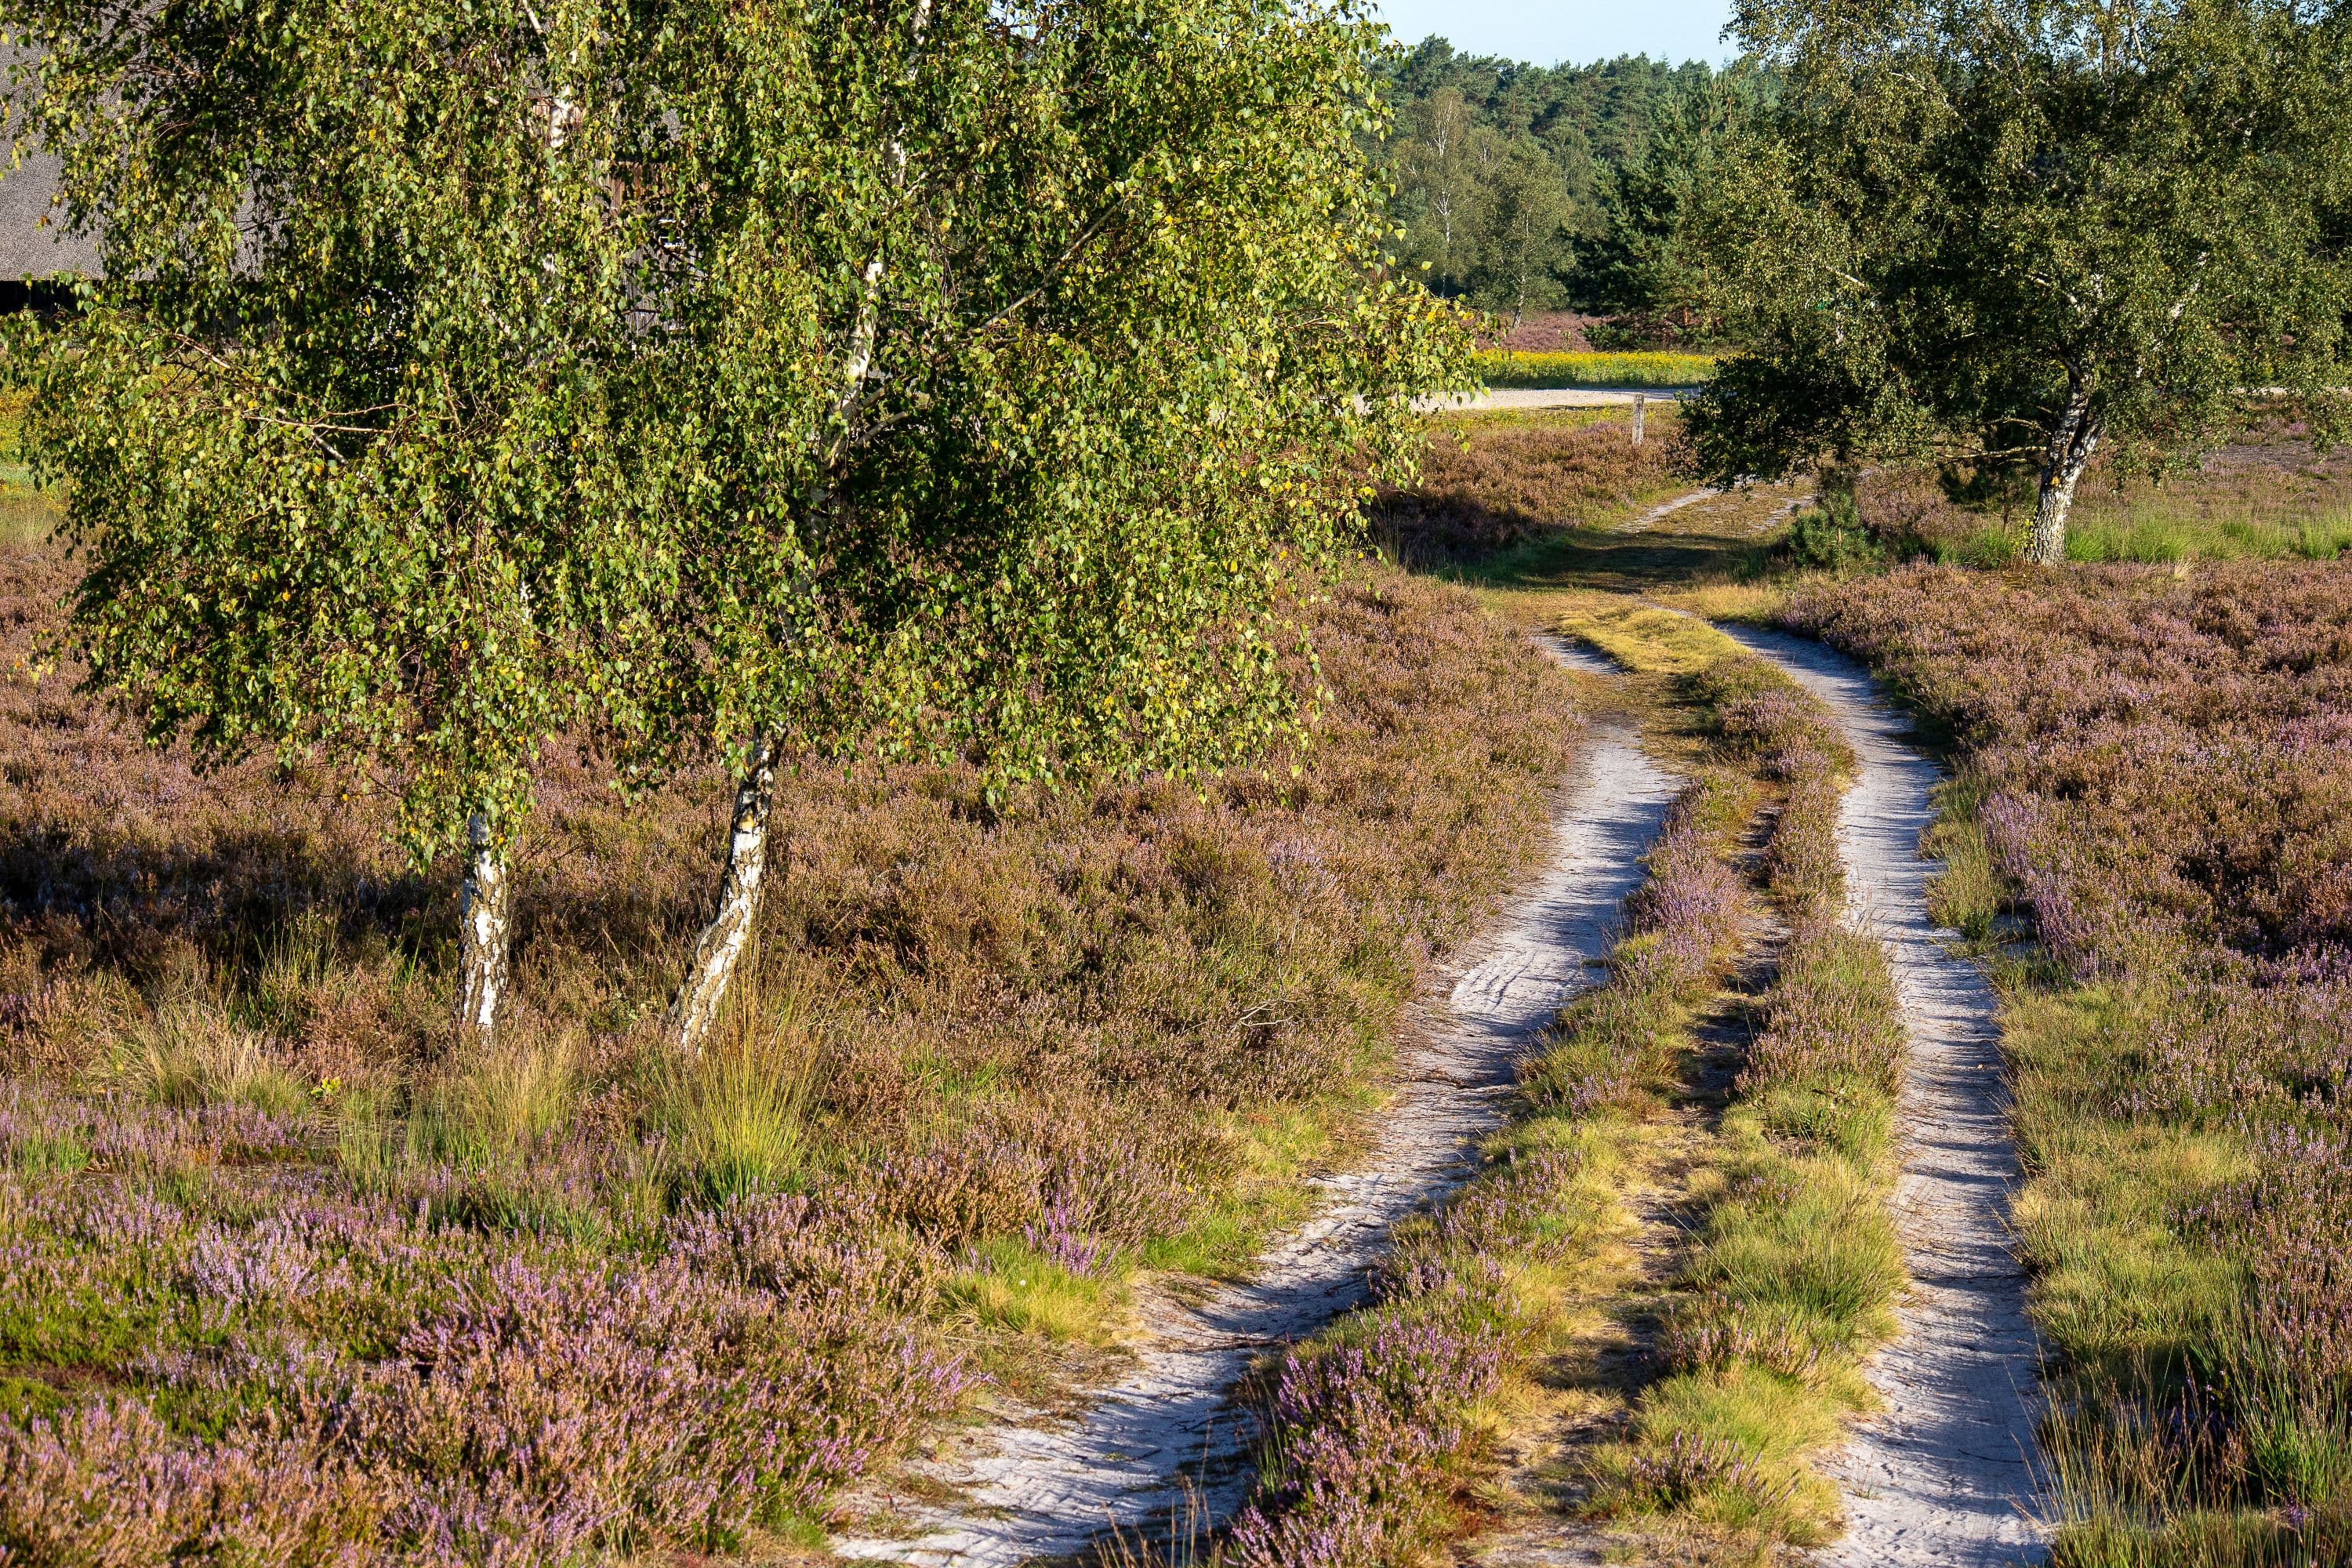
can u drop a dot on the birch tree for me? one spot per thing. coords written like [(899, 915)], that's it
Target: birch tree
[(2012, 235), (1022, 363), (1525, 245), (333, 427)]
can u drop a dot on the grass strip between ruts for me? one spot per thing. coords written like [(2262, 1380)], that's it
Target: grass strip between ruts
[(1380, 1425)]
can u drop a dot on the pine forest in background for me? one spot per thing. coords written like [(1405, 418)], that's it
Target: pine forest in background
[(1526, 189)]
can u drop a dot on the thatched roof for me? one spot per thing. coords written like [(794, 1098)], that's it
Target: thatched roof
[(30, 248)]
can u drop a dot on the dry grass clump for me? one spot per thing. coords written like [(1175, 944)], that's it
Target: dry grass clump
[(285, 1271), (1491, 480), (2158, 768)]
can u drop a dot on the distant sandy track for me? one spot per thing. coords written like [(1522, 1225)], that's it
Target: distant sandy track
[(1945, 1476), (1042, 1488)]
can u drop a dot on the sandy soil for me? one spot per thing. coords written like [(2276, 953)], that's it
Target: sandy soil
[(1164, 1440), (1554, 397), (1946, 1474)]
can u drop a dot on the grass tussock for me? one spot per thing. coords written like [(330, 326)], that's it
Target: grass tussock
[(2152, 765), (288, 1273)]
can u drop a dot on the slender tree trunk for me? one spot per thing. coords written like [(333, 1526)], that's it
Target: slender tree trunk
[(485, 927), (2063, 461), (720, 946), (715, 952)]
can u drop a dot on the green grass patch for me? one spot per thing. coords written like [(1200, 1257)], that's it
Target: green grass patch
[(2155, 534), (1013, 1287), (1509, 368)]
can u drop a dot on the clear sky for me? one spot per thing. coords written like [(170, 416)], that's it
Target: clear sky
[(1546, 32)]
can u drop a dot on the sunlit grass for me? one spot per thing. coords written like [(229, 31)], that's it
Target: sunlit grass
[(1573, 369), (495, 1099), (191, 1054), (1651, 641), (1010, 1285), (2159, 534), (27, 515), (735, 1115)]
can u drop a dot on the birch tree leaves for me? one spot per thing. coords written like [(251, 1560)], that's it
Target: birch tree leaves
[(1998, 237), (1100, 351), (911, 377), (334, 425)]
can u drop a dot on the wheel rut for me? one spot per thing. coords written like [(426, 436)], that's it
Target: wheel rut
[(1946, 1475), (1165, 1440)]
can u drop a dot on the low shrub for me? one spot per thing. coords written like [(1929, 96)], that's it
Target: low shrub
[(2155, 766), (1830, 537)]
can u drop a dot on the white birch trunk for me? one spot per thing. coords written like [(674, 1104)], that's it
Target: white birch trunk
[(485, 925), (2062, 462), (716, 953), (720, 946)]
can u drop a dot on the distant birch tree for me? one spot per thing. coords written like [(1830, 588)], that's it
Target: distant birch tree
[(2010, 234)]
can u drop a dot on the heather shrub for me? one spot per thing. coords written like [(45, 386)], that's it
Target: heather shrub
[(1790, 1275), (1832, 1022), (2155, 766), (106, 1484), (1361, 1436), (1374, 1427), (1758, 717), (1611, 1046), (534, 1409), (566, 1300)]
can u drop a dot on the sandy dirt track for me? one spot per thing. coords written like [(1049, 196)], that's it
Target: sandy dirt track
[(1041, 1488), (1946, 1475)]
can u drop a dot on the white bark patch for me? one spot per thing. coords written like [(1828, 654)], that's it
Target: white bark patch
[(484, 926), (2070, 450), (720, 946)]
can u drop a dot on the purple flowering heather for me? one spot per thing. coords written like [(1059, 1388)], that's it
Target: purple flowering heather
[(2163, 778)]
